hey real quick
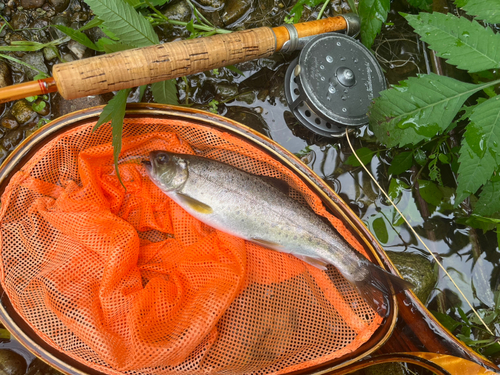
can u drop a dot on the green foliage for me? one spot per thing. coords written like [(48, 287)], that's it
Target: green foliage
[(418, 108), (421, 4), (464, 43), (165, 92), (124, 21), (364, 154), (487, 10), (78, 36), (421, 112), (373, 14)]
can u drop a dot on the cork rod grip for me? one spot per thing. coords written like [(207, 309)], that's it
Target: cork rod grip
[(140, 66)]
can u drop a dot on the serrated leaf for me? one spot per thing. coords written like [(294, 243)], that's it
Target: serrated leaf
[(430, 192), (418, 109), (483, 133), (473, 171), (420, 157), (401, 162), (373, 14), (364, 153), (124, 21), (487, 10), (489, 199), (447, 321), (165, 92), (421, 4), (464, 43), (77, 36)]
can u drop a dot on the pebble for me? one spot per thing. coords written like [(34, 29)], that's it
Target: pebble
[(49, 54), (12, 362), (22, 111), (178, 11), (32, 4), (9, 122), (34, 59), (20, 20), (235, 10), (78, 49), (59, 5), (12, 139)]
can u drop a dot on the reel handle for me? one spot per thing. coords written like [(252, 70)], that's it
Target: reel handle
[(140, 66)]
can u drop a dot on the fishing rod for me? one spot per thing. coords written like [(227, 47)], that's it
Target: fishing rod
[(141, 66)]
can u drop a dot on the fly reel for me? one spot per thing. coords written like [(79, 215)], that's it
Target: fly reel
[(331, 84)]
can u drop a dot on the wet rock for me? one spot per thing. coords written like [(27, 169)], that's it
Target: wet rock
[(78, 49), (31, 4), (214, 4), (236, 10), (249, 117), (178, 11), (59, 20), (20, 20), (49, 54), (5, 79), (59, 5), (12, 139), (385, 369), (61, 107), (34, 59), (11, 362), (9, 122), (22, 111), (416, 269), (38, 367), (226, 90)]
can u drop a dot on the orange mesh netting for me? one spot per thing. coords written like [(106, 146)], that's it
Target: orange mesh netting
[(125, 281)]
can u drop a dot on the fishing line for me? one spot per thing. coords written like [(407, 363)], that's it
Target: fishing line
[(415, 233)]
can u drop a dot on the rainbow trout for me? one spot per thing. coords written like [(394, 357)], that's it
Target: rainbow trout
[(250, 207)]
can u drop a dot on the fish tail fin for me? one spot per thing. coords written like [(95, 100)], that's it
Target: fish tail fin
[(375, 287)]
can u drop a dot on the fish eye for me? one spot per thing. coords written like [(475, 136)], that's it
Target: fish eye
[(162, 159)]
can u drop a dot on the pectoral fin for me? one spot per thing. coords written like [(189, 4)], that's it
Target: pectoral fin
[(195, 204), (268, 244), (316, 262)]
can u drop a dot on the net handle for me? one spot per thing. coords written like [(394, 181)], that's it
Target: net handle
[(140, 66)]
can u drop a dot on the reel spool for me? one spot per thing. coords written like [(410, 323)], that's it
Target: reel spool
[(331, 84)]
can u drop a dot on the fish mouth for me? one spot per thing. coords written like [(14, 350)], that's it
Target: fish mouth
[(147, 164)]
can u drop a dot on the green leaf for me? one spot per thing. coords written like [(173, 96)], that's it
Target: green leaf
[(396, 187), (124, 21), (447, 321), (420, 157), (380, 230), (114, 111), (373, 14), (364, 153), (430, 192), (421, 4), (234, 69), (418, 109), (401, 163), (480, 152), (483, 133), (489, 199), (4, 334), (165, 92), (487, 10), (296, 11), (94, 22), (473, 171), (77, 36), (464, 43)]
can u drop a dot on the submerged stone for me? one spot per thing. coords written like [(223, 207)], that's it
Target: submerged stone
[(235, 10), (22, 111), (12, 363), (36, 60), (416, 269)]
